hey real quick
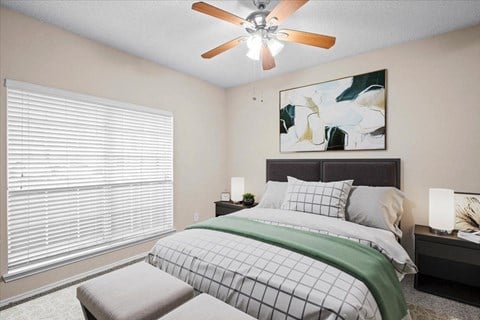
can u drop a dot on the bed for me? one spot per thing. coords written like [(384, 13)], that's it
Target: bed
[(276, 263)]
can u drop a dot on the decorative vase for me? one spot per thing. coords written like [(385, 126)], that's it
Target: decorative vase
[(248, 202)]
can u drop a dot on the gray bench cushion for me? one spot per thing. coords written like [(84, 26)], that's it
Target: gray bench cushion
[(206, 307), (139, 291)]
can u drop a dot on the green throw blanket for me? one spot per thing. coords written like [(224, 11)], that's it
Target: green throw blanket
[(358, 260)]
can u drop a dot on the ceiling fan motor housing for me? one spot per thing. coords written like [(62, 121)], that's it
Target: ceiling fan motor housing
[(258, 20)]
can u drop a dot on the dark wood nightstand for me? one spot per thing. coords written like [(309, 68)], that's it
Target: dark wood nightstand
[(448, 266), (226, 207)]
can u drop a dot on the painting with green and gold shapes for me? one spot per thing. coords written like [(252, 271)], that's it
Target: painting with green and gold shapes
[(342, 114)]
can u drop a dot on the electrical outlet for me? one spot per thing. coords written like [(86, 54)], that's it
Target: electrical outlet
[(196, 216)]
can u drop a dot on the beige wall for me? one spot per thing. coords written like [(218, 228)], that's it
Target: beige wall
[(433, 117), (432, 123), (39, 53)]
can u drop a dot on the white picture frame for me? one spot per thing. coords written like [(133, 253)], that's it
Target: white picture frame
[(467, 211)]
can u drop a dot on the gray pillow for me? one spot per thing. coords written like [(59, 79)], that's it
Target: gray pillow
[(378, 207), (273, 195), (322, 198)]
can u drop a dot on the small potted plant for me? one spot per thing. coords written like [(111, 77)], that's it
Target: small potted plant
[(248, 199)]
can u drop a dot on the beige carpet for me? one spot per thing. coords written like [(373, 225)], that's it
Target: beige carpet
[(420, 313), (424, 306), (63, 305), (58, 305)]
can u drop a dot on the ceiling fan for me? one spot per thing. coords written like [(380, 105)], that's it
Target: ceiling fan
[(264, 39)]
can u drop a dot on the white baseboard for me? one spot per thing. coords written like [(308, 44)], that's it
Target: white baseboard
[(66, 282)]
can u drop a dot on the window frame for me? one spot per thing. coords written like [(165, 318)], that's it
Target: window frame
[(13, 274)]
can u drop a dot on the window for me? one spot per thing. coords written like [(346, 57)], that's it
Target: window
[(85, 175)]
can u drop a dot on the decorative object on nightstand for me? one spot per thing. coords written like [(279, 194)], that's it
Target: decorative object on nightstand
[(248, 199), (467, 211), (441, 218), (237, 188), (227, 207), (469, 236), (225, 196), (448, 266)]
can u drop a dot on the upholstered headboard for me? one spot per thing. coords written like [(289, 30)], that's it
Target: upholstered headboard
[(366, 172)]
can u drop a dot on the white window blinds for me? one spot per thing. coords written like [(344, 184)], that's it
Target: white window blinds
[(84, 175)]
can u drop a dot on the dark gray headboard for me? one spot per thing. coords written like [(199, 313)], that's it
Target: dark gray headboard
[(366, 172)]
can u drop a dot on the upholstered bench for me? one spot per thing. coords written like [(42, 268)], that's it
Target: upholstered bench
[(136, 292), (206, 307)]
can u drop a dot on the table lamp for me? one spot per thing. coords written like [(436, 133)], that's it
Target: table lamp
[(237, 188), (441, 217)]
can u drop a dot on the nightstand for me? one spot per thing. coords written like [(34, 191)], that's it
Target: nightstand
[(226, 207), (448, 266)]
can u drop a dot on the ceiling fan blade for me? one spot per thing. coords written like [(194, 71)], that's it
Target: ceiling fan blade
[(311, 39), (218, 13), (222, 48), (284, 9), (268, 62)]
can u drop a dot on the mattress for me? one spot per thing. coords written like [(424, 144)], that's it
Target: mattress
[(270, 282)]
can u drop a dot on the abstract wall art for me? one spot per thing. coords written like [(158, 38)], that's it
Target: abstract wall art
[(467, 210), (342, 114)]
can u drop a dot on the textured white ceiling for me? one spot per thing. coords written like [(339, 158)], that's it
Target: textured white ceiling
[(170, 33)]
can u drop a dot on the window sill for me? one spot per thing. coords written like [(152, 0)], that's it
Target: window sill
[(19, 273)]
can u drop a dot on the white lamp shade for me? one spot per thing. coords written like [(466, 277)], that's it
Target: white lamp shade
[(275, 46), (254, 54), (441, 209), (237, 188), (255, 43)]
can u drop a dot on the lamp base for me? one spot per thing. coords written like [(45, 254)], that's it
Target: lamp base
[(440, 232)]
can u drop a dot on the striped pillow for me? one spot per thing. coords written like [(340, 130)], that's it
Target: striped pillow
[(323, 198)]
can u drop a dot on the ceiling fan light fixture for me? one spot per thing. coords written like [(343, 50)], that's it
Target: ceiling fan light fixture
[(275, 46), (254, 54), (255, 43)]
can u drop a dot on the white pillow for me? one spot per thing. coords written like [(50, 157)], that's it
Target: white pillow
[(378, 207), (273, 195), (323, 198)]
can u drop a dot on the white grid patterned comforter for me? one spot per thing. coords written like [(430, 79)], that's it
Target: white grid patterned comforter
[(262, 280)]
